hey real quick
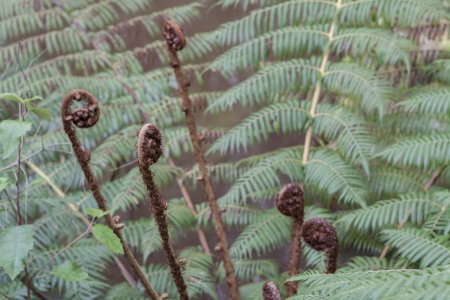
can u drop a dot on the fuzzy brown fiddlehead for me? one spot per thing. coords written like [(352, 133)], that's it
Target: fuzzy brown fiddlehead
[(174, 36), (270, 291), (149, 150), (321, 236), (175, 41), (86, 117), (289, 202)]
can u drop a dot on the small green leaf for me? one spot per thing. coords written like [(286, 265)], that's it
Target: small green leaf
[(10, 131), (95, 212), (33, 99), (4, 182), (15, 243), (107, 237), (69, 271), (42, 113), (11, 97)]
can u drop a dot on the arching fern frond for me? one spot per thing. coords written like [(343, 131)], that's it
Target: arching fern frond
[(419, 246), (285, 117), (331, 173), (427, 284), (424, 151)]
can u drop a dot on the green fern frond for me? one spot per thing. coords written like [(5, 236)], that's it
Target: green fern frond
[(353, 139), (419, 246), (246, 270), (264, 176), (292, 76), (371, 263), (394, 181), (268, 18), (430, 283), (329, 172), (269, 231), (433, 101), (353, 80), (280, 43), (424, 151), (285, 117), (414, 207)]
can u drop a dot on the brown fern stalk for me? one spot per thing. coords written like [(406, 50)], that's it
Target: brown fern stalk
[(270, 291), (321, 236), (86, 117), (149, 150), (176, 41), (289, 202)]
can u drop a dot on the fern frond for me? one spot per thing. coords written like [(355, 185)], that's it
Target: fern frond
[(414, 207), (269, 231), (432, 101), (285, 117), (283, 14), (394, 181), (430, 283), (371, 263), (292, 76), (329, 172), (264, 176), (281, 43), (352, 137), (424, 151), (353, 80), (246, 270), (419, 246)]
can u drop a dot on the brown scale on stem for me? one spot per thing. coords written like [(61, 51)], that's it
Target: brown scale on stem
[(321, 236), (86, 117), (175, 41), (149, 150), (289, 202), (270, 291)]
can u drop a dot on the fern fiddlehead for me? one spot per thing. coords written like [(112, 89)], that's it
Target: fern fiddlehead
[(321, 236), (176, 41), (86, 117), (289, 202), (149, 150), (270, 291)]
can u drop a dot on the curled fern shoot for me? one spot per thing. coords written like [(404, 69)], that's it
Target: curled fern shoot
[(86, 117), (176, 41), (289, 202), (149, 150), (321, 236)]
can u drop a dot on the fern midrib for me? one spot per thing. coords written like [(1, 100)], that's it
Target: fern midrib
[(318, 88)]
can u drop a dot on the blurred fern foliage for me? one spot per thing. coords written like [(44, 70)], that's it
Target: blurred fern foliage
[(356, 92)]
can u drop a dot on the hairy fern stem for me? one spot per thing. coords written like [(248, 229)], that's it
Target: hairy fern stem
[(86, 117), (149, 150), (289, 202), (176, 41)]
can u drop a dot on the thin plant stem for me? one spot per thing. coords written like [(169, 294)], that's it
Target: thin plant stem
[(175, 41)]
